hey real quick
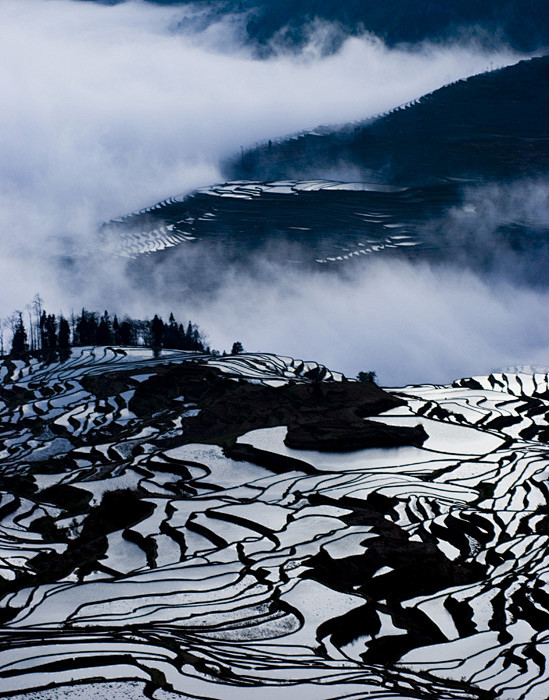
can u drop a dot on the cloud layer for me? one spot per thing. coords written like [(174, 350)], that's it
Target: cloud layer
[(108, 109), (409, 323)]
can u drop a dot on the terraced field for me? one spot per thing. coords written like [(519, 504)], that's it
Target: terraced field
[(319, 221), (331, 227), (159, 538)]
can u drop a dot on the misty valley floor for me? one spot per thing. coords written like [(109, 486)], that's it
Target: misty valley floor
[(150, 550)]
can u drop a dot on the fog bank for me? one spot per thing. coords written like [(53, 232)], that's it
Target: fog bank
[(409, 323), (109, 108)]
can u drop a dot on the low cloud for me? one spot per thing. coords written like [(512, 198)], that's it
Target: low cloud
[(409, 323), (109, 108), (499, 228)]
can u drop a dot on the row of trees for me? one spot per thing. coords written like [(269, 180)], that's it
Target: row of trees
[(45, 333), (91, 329)]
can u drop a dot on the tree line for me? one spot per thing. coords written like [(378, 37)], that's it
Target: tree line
[(44, 333)]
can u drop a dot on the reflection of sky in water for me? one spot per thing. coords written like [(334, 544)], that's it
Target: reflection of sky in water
[(236, 570), (321, 221), (461, 441)]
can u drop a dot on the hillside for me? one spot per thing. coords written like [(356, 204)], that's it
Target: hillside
[(309, 221), (491, 126), (422, 170)]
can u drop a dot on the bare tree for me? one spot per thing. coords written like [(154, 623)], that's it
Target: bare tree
[(37, 306), (32, 336), (13, 320)]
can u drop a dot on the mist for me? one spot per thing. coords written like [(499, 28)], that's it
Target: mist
[(409, 323), (107, 109), (477, 302)]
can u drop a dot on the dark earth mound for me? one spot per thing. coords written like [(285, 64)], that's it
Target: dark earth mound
[(229, 409), (333, 435)]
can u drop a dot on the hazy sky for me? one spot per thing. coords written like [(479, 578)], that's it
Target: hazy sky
[(108, 109)]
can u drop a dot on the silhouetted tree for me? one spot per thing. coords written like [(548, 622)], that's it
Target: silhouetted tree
[(157, 332), (366, 377), (64, 334), (36, 305), (237, 348), (189, 331), (90, 329), (19, 341), (116, 331), (172, 334), (126, 333), (32, 330), (48, 331), (86, 329), (43, 324), (104, 331), (51, 332)]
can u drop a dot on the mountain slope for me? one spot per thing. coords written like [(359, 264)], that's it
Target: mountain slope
[(491, 126)]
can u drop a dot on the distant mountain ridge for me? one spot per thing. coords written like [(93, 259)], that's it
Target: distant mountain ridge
[(490, 126), (524, 24)]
